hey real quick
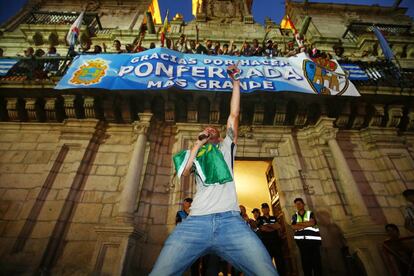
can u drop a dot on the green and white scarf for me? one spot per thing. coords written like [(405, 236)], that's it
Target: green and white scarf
[(209, 164)]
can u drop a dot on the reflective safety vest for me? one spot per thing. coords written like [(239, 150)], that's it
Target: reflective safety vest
[(308, 233)]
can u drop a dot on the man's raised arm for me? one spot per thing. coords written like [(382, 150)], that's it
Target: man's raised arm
[(233, 120)]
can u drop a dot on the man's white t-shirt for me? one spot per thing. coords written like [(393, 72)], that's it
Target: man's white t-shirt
[(217, 198)]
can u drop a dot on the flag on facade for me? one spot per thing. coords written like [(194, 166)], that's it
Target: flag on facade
[(209, 164), (355, 72), (164, 29), (287, 24), (73, 34), (6, 64), (386, 49)]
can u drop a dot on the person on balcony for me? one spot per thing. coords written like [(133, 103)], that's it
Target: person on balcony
[(117, 47), (214, 224), (52, 65)]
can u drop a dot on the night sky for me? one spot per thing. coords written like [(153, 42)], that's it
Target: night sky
[(274, 9)]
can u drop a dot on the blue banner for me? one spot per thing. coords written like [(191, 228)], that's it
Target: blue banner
[(162, 68)]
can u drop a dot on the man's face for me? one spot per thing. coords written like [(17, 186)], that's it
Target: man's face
[(256, 215), (265, 211), (29, 51), (299, 205), (186, 204), (117, 45), (242, 209), (393, 233), (213, 133), (192, 44), (209, 43)]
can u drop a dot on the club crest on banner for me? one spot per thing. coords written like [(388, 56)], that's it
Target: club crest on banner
[(90, 73), (324, 76)]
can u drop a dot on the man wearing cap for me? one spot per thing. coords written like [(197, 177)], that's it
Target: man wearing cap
[(254, 221), (183, 214), (269, 235), (307, 238), (214, 225)]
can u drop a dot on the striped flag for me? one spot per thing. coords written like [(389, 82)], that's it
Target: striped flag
[(6, 64), (355, 72), (164, 29), (73, 34)]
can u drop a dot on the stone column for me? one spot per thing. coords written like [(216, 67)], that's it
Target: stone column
[(323, 133), (116, 241), (354, 197), (362, 235), (129, 193)]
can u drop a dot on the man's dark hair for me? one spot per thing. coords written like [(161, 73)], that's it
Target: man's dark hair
[(298, 199), (392, 226), (408, 192), (256, 210), (265, 205), (188, 199), (117, 41)]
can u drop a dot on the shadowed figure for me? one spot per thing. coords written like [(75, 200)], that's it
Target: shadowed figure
[(333, 245)]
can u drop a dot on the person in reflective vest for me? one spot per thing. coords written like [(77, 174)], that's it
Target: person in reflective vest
[(307, 238)]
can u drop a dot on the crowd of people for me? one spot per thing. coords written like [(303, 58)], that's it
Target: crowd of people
[(398, 251), (266, 47), (268, 228)]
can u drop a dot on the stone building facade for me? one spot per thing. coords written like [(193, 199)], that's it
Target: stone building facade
[(86, 178)]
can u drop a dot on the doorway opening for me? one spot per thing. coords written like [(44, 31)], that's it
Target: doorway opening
[(256, 184), (251, 183)]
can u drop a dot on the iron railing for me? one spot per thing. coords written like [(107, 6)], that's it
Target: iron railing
[(37, 68)]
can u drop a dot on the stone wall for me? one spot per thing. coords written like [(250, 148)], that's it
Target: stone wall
[(57, 182)]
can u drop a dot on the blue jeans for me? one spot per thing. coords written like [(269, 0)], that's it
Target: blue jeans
[(224, 234)]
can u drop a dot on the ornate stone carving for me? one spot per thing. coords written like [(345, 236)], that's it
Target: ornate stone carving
[(50, 109), (215, 113), (359, 119), (30, 106), (410, 125), (89, 107), (395, 114), (38, 39), (53, 39), (301, 117), (69, 105), (343, 119), (320, 133), (170, 111), (258, 114), (12, 109), (245, 131), (142, 126), (223, 10), (192, 113), (377, 115)]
